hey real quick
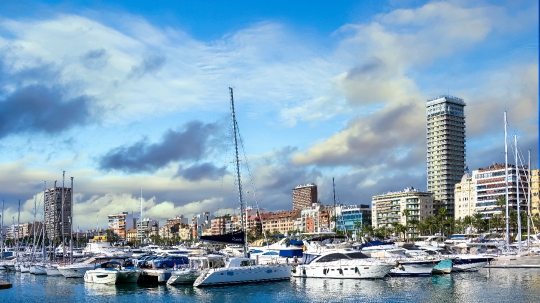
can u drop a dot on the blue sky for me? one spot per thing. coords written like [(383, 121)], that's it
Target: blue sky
[(129, 94)]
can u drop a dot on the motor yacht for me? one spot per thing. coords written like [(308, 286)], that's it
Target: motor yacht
[(341, 264), (407, 265), (111, 272)]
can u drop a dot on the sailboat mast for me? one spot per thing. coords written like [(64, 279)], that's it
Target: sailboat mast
[(238, 167), (43, 250), (529, 203), (63, 222), (71, 224), (517, 193), (335, 212), (507, 219), (140, 223), (2, 233), (18, 228)]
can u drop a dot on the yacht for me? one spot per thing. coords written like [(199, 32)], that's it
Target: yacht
[(241, 270), (112, 272), (197, 264), (76, 270), (341, 264), (407, 265)]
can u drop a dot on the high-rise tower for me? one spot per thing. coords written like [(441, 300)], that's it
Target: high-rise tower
[(304, 195), (445, 149)]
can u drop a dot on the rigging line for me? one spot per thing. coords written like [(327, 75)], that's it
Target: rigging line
[(252, 185)]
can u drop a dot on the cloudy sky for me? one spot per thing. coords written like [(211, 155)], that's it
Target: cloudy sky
[(125, 96)]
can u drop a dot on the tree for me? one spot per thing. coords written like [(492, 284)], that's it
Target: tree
[(112, 237), (406, 214)]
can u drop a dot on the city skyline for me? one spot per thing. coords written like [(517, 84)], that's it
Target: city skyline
[(124, 96)]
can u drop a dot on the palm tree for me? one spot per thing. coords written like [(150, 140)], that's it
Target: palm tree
[(406, 213), (413, 222)]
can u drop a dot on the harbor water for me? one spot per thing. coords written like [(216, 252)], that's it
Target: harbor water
[(486, 285)]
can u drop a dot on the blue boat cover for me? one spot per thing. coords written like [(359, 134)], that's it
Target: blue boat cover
[(296, 242), (290, 253)]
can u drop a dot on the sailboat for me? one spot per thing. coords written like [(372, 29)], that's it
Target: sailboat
[(240, 270)]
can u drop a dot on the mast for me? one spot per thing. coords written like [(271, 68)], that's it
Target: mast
[(517, 193), (43, 249), (18, 228), (33, 258), (55, 219), (2, 232), (335, 212), (238, 170), (71, 224), (507, 219), (140, 223), (529, 203), (63, 222)]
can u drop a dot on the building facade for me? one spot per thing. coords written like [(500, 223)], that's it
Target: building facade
[(58, 207), (315, 218), (465, 196), (491, 184), (535, 191), (352, 217), (388, 209), (445, 148), (120, 224), (281, 221), (304, 195)]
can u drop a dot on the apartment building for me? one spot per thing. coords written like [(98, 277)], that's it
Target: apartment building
[(389, 208), (304, 195), (491, 184), (281, 221), (120, 224), (58, 208), (535, 191), (445, 148), (465, 196)]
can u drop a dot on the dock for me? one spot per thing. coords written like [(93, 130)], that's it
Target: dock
[(5, 285)]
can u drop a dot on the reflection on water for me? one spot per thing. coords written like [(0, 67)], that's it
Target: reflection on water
[(497, 285)]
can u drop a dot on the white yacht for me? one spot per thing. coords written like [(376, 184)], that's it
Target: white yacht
[(406, 265), (52, 270), (76, 270), (197, 264), (243, 270), (341, 264), (111, 272)]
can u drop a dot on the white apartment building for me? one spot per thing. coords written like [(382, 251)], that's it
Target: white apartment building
[(388, 208), (465, 196), (120, 224)]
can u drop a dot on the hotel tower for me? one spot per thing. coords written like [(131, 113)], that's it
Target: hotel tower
[(445, 149)]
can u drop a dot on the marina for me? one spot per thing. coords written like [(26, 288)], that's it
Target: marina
[(486, 285)]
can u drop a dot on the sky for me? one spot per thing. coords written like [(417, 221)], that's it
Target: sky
[(131, 99)]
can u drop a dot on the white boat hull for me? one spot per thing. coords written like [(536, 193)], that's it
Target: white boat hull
[(39, 270), (413, 268), (247, 274), (187, 276), (366, 271), (53, 271), (101, 276), (74, 272), (24, 269)]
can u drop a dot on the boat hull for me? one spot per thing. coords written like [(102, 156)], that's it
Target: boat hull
[(443, 267), (100, 276), (372, 271), (469, 264), (39, 270), (241, 275), (53, 271), (73, 272), (413, 268), (184, 277)]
